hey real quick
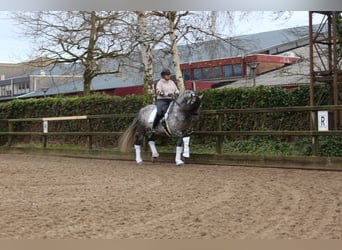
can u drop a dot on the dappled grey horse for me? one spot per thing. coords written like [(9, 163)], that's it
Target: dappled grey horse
[(175, 123)]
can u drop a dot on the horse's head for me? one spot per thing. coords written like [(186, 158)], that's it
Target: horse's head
[(189, 101)]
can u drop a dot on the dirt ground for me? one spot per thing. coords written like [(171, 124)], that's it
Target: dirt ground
[(67, 198)]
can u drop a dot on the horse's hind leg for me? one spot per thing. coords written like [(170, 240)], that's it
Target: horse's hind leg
[(138, 158), (137, 145)]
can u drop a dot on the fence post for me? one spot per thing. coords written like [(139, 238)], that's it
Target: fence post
[(219, 140), (90, 137), (10, 136), (45, 131), (314, 138), (44, 140)]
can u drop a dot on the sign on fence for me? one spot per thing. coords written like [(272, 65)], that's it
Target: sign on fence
[(323, 121), (45, 127)]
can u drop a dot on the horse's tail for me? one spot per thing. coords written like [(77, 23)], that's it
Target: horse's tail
[(126, 140)]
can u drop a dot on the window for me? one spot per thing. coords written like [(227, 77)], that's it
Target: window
[(197, 74), (6, 90), (206, 73), (216, 72), (21, 88), (237, 69), (186, 74), (227, 71)]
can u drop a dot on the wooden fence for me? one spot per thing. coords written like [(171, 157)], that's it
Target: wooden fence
[(314, 131), (45, 133), (219, 133)]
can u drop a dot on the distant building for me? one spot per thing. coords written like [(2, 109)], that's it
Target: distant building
[(240, 63), (288, 76), (222, 72)]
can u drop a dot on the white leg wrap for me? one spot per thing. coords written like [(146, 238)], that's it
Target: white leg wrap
[(138, 154), (178, 156), (186, 152), (153, 149)]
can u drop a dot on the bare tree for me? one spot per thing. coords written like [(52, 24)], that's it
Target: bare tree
[(185, 27), (146, 44), (173, 21), (88, 38), (339, 39), (155, 29)]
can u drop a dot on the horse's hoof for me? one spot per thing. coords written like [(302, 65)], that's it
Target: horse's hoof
[(180, 163), (186, 155), (139, 162), (155, 156)]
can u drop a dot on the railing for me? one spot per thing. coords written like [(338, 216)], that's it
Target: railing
[(45, 132), (314, 133)]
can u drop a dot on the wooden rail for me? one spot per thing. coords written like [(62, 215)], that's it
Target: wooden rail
[(45, 133)]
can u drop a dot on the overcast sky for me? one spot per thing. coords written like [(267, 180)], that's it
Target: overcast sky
[(15, 48)]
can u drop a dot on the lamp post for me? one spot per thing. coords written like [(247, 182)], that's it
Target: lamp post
[(253, 66), (44, 91)]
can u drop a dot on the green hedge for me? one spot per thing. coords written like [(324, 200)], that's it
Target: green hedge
[(260, 97), (69, 106), (214, 99)]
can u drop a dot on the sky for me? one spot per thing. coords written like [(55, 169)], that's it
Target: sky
[(15, 48)]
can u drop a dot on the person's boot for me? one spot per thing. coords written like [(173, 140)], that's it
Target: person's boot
[(155, 122), (154, 126)]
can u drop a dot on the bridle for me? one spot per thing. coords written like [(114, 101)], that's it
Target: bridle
[(179, 104)]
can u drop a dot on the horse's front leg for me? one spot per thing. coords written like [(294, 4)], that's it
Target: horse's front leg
[(153, 148), (151, 143), (186, 148), (179, 150)]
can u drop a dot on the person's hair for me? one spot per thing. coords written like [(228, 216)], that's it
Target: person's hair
[(165, 72)]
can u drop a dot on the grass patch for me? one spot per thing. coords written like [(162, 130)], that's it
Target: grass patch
[(254, 146)]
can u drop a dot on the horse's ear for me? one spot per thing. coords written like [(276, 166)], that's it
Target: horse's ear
[(200, 96)]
